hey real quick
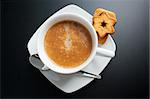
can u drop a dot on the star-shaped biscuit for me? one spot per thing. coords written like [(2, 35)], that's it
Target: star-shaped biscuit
[(103, 22)]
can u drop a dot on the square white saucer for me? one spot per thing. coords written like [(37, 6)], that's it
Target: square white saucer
[(73, 83)]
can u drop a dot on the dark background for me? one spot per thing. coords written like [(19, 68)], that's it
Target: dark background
[(126, 76)]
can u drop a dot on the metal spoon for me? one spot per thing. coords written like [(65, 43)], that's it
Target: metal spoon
[(37, 63)]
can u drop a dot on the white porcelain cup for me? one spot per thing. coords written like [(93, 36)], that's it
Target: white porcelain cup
[(73, 17)]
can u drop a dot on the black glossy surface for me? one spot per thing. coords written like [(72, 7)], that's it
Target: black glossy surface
[(126, 75)]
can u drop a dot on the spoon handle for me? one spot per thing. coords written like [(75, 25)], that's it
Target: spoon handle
[(91, 75), (36, 62)]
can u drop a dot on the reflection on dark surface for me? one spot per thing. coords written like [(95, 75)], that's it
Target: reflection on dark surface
[(125, 76)]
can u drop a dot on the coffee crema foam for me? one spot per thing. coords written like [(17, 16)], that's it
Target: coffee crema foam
[(68, 44)]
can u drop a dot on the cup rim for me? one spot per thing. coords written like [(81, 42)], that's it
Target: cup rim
[(40, 45)]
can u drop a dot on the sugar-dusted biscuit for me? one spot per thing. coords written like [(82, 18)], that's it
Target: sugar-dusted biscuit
[(102, 40), (110, 14)]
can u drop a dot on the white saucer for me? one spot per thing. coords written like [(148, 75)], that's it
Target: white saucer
[(70, 84)]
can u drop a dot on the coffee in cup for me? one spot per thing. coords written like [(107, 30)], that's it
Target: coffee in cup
[(68, 44)]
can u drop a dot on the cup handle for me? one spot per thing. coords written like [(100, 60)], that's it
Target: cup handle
[(105, 52)]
